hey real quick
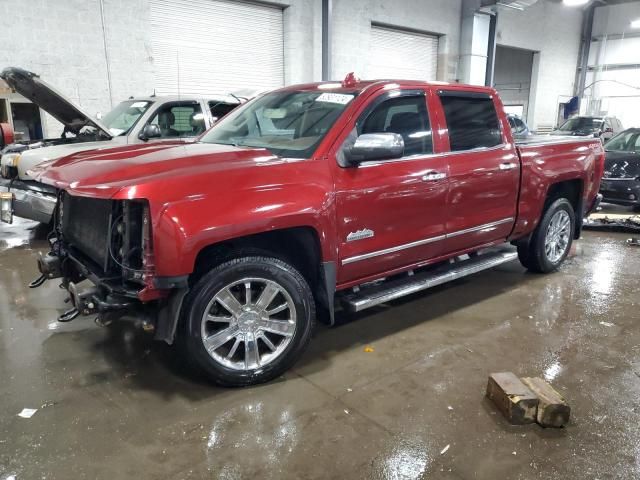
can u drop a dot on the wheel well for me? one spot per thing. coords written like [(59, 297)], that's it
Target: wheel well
[(572, 191), (299, 246)]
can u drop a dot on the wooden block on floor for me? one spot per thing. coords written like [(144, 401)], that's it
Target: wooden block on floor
[(553, 410), (513, 398)]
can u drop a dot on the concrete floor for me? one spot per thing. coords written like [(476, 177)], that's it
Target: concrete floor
[(113, 404)]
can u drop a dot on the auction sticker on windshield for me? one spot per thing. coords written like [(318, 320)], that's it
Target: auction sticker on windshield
[(339, 98)]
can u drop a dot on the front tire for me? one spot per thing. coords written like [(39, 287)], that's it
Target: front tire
[(248, 320), (551, 240)]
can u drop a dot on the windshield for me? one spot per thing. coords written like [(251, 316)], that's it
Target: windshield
[(581, 124), (628, 141), (287, 123), (121, 119)]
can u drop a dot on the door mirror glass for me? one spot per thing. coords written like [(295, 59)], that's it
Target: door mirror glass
[(150, 131), (376, 146)]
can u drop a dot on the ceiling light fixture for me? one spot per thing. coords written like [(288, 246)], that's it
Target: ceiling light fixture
[(575, 3), (635, 23)]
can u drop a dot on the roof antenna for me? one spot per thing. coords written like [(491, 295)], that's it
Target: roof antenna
[(154, 93)]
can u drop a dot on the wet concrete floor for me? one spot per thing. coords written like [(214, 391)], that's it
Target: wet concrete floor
[(114, 404)]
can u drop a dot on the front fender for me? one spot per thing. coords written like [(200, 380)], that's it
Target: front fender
[(182, 229)]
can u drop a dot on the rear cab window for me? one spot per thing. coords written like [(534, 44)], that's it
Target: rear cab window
[(472, 120)]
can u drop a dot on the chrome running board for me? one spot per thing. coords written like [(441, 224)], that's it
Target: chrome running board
[(370, 296)]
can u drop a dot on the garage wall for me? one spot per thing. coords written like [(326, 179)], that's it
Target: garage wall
[(553, 31), (65, 46), (352, 20), (614, 63), (512, 76)]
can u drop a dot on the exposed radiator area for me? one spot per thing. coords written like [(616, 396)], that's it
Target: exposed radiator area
[(85, 226)]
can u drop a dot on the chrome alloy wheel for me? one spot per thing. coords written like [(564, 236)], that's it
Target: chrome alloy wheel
[(557, 238), (248, 323)]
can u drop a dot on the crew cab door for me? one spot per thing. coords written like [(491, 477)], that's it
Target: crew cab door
[(391, 213), (484, 171)]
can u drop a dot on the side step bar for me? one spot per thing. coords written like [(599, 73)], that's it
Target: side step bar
[(370, 296)]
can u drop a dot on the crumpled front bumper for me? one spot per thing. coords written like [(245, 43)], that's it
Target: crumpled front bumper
[(32, 200)]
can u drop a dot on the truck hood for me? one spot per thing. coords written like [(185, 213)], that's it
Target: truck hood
[(104, 173), (29, 85), (622, 165), (31, 158)]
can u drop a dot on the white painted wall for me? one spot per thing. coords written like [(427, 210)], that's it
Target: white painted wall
[(352, 30), (63, 42), (614, 19), (552, 30), (614, 78)]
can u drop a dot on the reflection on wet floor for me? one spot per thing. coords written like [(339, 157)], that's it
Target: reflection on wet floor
[(114, 404)]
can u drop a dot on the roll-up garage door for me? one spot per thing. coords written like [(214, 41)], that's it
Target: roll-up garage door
[(401, 54), (210, 46)]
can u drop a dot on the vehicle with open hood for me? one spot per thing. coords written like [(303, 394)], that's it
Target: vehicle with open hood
[(355, 193), (621, 182), (133, 121)]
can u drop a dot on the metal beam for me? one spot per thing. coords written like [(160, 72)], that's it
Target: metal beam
[(327, 6), (583, 56), (491, 50)]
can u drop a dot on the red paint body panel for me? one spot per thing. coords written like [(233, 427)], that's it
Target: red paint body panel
[(6, 134), (544, 165), (202, 194)]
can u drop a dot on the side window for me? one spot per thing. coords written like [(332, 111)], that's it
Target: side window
[(220, 109), (406, 116), (179, 119), (472, 121)]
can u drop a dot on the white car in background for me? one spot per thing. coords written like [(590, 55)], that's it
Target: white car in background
[(136, 120)]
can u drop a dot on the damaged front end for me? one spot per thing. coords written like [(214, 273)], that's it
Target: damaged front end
[(102, 250)]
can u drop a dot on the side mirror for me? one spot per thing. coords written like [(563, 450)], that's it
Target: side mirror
[(150, 131), (375, 146)]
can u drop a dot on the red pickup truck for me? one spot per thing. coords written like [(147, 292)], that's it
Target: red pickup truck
[(310, 196)]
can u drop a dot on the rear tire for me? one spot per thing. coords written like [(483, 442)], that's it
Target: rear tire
[(551, 240), (248, 320)]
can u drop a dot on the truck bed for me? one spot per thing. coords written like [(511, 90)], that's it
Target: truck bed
[(540, 140)]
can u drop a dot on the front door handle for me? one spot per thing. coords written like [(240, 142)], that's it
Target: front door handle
[(508, 166), (434, 176)]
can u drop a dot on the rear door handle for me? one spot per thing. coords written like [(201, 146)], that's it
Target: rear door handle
[(508, 166), (434, 176)]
